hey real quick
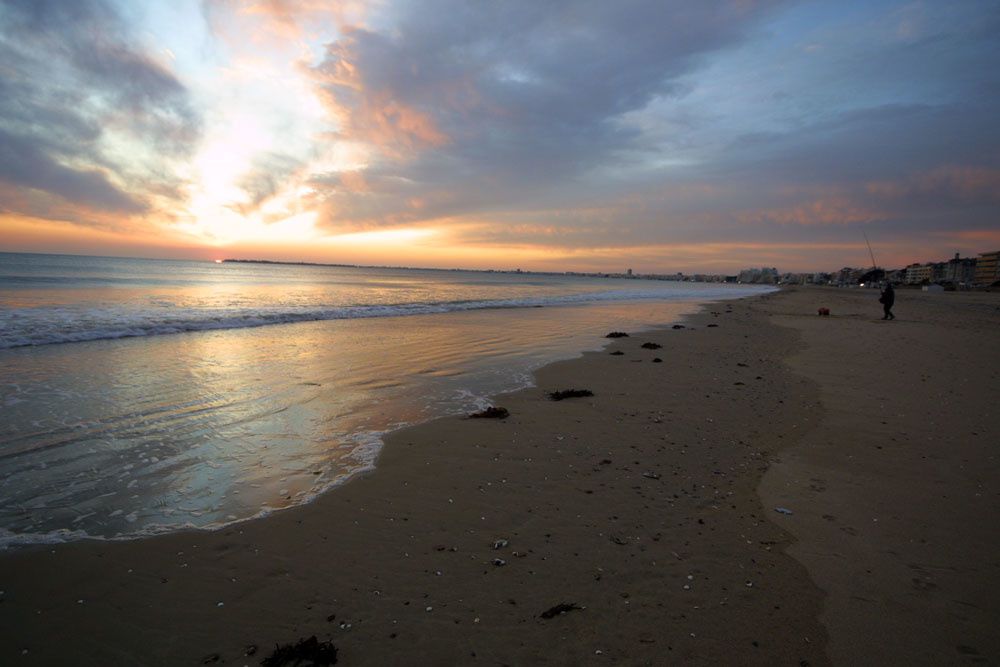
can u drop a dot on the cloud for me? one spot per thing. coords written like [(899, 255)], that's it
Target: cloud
[(23, 162), (269, 173), (368, 108), (74, 91), (284, 20), (506, 104), (949, 186)]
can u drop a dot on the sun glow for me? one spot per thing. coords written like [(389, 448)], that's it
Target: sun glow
[(383, 237)]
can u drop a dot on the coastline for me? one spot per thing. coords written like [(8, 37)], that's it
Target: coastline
[(639, 505)]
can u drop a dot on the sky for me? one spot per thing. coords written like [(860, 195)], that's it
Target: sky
[(696, 136)]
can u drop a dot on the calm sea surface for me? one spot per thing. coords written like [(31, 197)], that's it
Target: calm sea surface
[(139, 396)]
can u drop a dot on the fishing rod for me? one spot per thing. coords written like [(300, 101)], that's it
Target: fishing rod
[(874, 265)]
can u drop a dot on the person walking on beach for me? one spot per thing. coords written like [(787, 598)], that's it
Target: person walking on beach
[(887, 299)]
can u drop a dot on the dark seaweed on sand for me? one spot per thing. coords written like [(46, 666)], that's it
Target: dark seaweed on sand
[(559, 609), (306, 653), (491, 413), (569, 393), (651, 346), (617, 334)]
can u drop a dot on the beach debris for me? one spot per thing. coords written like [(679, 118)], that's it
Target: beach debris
[(250, 650), (618, 540), (823, 312), (712, 326), (499, 562), (306, 651), (783, 510), (617, 334), (605, 462), (491, 412), (569, 393), (678, 326), (657, 360), (210, 658), (651, 475), (559, 610), (617, 353), (500, 543), (651, 346)]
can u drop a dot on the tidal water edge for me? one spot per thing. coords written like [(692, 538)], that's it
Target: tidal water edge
[(141, 396)]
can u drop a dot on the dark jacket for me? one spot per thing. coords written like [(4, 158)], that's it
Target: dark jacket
[(888, 296)]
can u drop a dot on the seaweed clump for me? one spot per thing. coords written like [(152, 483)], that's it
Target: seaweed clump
[(491, 413), (305, 652), (651, 346), (569, 393), (559, 610), (617, 334)]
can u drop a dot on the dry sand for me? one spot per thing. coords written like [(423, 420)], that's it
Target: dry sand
[(639, 504), (896, 487)]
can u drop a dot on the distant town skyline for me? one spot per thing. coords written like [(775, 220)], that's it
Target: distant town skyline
[(701, 137)]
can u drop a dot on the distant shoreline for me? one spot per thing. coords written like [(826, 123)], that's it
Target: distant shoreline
[(415, 268)]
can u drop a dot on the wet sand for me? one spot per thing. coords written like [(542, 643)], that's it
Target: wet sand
[(640, 505)]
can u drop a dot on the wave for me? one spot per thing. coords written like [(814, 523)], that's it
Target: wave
[(35, 327)]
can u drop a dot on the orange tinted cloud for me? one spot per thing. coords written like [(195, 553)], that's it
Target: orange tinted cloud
[(833, 210), (291, 19), (367, 111), (956, 183)]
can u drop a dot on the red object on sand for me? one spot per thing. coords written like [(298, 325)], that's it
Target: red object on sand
[(824, 312)]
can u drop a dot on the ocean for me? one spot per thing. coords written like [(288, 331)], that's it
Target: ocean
[(140, 396)]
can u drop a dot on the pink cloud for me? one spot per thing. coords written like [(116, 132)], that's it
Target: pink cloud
[(954, 183), (294, 19), (829, 210), (367, 111)]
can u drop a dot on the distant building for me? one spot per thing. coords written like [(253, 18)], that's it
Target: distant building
[(918, 273), (848, 276), (958, 270), (987, 268), (766, 276), (821, 278)]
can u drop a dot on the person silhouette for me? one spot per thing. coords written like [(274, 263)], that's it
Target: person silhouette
[(887, 298)]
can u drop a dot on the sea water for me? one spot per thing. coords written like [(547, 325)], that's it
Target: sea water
[(139, 396)]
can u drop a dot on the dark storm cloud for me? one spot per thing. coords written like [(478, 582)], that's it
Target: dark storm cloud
[(71, 77), (475, 108)]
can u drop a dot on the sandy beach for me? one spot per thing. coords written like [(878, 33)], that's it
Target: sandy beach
[(647, 509)]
